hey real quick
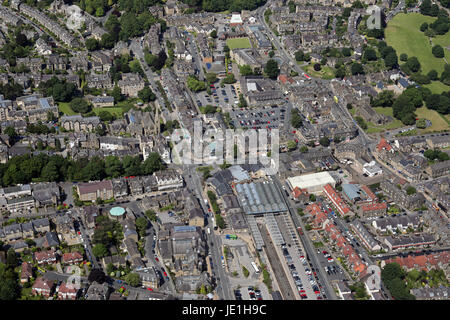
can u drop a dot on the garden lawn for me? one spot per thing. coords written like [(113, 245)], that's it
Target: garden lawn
[(326, 72), (65, 108), (437, 87), (238, 43), (438, 121), (403, 33), (117, 111)]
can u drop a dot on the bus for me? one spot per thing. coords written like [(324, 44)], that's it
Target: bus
[(255, 267), (214, 223), (231, 236)]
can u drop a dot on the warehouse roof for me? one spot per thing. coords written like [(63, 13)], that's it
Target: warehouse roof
[(310, 180)]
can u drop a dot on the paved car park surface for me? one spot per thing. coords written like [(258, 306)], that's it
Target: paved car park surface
[(221, 97), (240, 256), (269, 117), (295, 258)]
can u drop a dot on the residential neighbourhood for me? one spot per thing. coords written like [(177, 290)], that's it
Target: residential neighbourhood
[(113, 120)]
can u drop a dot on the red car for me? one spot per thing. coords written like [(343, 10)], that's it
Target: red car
[(165, 274), (156, 258), (149, 289)]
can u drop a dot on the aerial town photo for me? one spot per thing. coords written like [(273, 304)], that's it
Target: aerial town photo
[(207, 150)]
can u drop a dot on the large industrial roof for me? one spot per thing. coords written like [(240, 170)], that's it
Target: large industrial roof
[(311, 180), (260, 197)]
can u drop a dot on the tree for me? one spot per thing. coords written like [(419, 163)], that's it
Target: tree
[(369, 54), (296, 120), (433, 75), (116, 93), (105, 116), (141, 225), (384, 99), (271, 69), (324, 141), (245, 70), (92, 44), (346, 52), (242, 102), (11, 258), (110, 268), (392, 271), (391, 60), (340, 73), (97, 275), (271, 53), (79, 105), (299, 55), (303, 149), (151, 215), (107, 40), (50, 172), (413, 64), (220, 221), (410, 190), (357, 68), (245, 272), (211, 77), (403, 57), (437, 51), (291, 145), (229, 79), (11, 133), (152, 164), (423, 27), (9, 286), (146, 94), (317, 67), (213, 34), (100, 250), (312, 198), (194, 84)]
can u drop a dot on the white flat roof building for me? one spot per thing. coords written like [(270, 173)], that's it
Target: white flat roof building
[(372, 169), (313, 182), (236, 19)]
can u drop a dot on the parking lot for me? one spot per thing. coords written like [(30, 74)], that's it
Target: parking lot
[(221, 97), (261, 118), (301, 272), (239, 257)]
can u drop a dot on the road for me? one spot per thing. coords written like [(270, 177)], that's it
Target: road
[(136, 47), (86, 241), (281, 51), (194, 53), (223, 286), (311, 252)]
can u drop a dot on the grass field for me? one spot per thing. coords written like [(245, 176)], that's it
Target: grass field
[(372, 128), (65, 108), (403, 33), (238, 43), (117, 111), (325, 73), (438, 121), (437, 87)]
